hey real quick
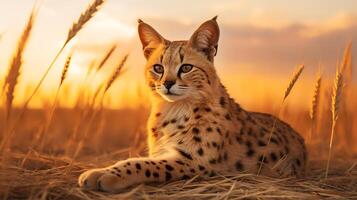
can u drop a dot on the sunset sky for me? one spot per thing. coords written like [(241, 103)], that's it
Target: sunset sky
[(260, 45)]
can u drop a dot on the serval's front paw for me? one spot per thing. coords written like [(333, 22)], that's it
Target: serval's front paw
[(100, 179)]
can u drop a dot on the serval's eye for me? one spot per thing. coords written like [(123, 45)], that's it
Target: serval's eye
[(186, 68), (158, 68)]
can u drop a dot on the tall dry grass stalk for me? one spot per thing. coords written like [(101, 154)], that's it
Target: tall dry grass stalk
[(293, 81), (335, 107), (73, 31), (346, 65), (346, 113), (53, 107), (106, 57), (115, 74), (91, 116), (288, 90), (315, 104), (13, 75)]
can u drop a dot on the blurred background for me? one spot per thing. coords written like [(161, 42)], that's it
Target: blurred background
[(261, 44)]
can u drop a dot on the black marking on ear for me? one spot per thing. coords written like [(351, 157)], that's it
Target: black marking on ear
[(180, 54)]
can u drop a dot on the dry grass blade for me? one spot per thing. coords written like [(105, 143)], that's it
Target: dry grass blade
[(116, 73), (293, 81), (106, 57), (14, 72), (315, 103), (65, 69), (346, 68), (90, 68), (76, 27), (53, 108), (335, 102), (336, 95), (83, 19)]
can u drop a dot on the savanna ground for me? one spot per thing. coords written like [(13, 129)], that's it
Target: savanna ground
[(44, 150)]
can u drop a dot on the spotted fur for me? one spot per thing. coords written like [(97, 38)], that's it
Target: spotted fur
[(195, 128)]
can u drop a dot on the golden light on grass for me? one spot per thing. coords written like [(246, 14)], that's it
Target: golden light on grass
[(73, 31), (288, 90), (293, 80), (106, 57), (335, 107), (48, 122), (315, 104), (13, 75), (71, 140)]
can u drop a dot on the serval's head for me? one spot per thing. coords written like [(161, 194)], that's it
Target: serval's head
[(181, 70)]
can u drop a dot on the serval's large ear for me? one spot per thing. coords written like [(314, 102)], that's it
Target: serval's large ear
[(205, 38), (149, 37)]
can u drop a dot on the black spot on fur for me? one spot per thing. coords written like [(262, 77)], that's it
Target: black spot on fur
[(219, 130), (222, 101), (138, 166), (147, 173), (169, 167), (155, 174), (180, 127), (262, 159), (198, 116), (197, 139), (195, 130), (213, 161), (195, 110), (179, 162), (209, 129), (168, 176), (208, 109), (152, 162), (192, 170), (184, 154), (200, 151), (165, 124), (239, 140), (261, 143), (228, 117), (250, 152), (239, 166), (298, 162), (201, 168), (273, 156), (185, 177), (128, 171), (173, 121), (214, 144), (157, 114)]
